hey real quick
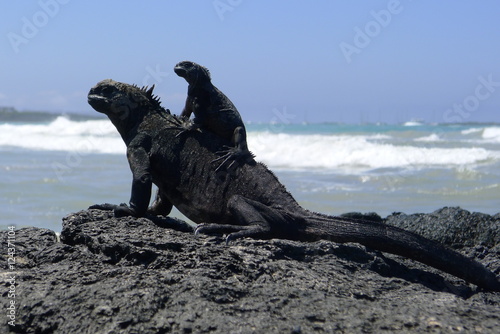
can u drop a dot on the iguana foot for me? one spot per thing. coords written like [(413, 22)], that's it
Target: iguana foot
[(233, 154), (105, 206), (170, 223), (186, 125), (121, 210), (235, 231)]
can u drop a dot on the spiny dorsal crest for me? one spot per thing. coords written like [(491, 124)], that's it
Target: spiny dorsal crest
[(149, 93)]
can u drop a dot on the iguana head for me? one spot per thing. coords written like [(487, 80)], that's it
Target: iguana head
[(192, 72), (124, 104)]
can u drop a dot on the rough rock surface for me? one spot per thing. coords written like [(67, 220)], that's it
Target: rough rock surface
[(130, 275)]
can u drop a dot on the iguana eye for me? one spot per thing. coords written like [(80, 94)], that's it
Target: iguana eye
[(106, 90)]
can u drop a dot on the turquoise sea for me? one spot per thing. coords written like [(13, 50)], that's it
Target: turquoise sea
[(53, 167)]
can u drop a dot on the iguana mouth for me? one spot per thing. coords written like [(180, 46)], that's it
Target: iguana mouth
[(98, 102), (180, 71)]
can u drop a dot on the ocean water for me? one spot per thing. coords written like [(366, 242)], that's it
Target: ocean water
[(51, 169)]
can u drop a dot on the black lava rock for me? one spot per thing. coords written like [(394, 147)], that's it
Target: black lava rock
[(129, 275), (453, 226)]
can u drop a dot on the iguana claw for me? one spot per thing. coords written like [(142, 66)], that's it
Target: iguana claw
[(234, 231), (232, 153), (105, 206), (185, 125), (121, 210)]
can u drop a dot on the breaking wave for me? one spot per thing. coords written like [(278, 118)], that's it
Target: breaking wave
[(348, 151), (492, 134), (341, 151), (62, 134)]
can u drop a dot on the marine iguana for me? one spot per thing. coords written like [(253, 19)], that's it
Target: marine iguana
[(250, 201), (213, 110)]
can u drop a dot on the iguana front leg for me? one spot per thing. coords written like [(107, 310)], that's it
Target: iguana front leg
[(186, 124), (160, 207), (252, 219), (138, 158), (142, 182)]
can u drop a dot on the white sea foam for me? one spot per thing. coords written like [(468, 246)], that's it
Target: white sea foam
[(430, 138), (489, 134), (492, 134), (471, 131), (333, 152), (93, 136), (413, 123), (349, 152)]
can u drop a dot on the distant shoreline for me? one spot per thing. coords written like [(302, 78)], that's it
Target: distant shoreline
[(11, 115)]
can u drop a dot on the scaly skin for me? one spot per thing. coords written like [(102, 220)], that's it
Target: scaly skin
[(246, 201), (213, 110)]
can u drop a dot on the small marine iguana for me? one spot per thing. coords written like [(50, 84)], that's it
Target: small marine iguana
[(250, 201), (213, 110)]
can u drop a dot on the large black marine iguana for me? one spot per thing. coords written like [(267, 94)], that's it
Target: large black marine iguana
[(213, 110), (250, 201)]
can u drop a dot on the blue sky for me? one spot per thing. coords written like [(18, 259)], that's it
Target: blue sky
[(322, 61)]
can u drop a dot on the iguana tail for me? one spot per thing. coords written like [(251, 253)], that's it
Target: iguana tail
[(397, 241)]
